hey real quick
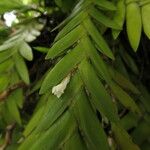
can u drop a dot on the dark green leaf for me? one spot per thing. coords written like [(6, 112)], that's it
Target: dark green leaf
[(103, 19), (125, 99), (97, 37), (62, 69), (97, 90), (122, 138), (89, 125), (65, 42)]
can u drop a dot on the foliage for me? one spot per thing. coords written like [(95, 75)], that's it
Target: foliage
[(87, 93)]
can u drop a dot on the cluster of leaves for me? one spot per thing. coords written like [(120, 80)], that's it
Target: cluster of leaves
[(100, 107)]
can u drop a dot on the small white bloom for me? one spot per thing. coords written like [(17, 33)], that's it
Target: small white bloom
[(59, 89), (10, 17)]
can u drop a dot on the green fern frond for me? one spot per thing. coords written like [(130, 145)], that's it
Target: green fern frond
[(79, 44)]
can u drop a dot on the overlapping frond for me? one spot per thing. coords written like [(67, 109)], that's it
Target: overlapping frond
[(82, 48), (88, 99)]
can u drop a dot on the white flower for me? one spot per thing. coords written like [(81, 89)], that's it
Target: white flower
[(59, 89), (10, 17)]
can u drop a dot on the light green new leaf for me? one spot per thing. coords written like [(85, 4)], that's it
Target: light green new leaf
[(62, 68), (21, 68), (97, 37), (65, 42), (145, 9), (26, 51), (103, 19), (134, 24)]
